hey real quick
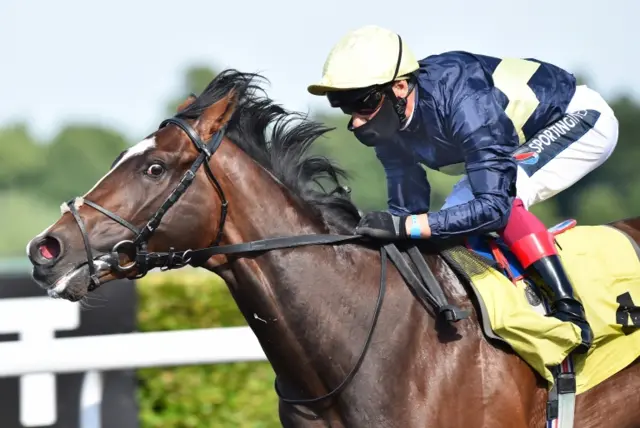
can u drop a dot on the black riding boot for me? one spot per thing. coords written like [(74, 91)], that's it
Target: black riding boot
[(564, 304)]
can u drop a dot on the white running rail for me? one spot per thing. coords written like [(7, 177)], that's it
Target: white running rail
[(93, 354), (132, 350)]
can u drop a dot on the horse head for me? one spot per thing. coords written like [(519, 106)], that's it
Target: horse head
[(156, 197)]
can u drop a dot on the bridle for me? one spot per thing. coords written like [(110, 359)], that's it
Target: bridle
[(136, 249), (425, 285)]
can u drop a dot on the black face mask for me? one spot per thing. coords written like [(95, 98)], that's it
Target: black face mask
[(380, 128)]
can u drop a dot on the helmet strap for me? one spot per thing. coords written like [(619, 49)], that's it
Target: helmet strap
[(399, 104)]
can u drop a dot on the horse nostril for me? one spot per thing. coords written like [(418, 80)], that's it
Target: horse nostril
[(49, 248)]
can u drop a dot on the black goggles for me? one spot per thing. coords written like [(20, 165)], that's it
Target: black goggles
[(364, 102)]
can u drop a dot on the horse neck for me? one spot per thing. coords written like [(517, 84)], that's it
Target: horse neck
[(308, 306)]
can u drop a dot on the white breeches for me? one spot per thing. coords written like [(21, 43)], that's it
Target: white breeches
[(561, 154)]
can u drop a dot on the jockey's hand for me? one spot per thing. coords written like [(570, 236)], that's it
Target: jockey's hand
[(382, 225)]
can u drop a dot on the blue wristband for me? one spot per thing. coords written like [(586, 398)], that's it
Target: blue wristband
[(415, 231)]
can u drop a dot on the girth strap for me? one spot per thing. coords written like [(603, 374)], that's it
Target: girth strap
[(561, 400)]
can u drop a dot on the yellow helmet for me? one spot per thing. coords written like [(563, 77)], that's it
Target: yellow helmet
[(367, 56)]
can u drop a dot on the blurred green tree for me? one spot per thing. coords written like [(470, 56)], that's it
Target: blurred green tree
[(21, 158), (195, 79), (77, 158)]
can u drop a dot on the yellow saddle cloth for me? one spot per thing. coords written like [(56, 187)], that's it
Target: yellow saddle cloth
[(604, 267)]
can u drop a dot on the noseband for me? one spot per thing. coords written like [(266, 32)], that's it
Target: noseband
[(136, 249)]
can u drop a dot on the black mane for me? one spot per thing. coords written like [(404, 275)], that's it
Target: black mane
[(284, 149)]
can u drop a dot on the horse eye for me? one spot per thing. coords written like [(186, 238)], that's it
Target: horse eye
[(155, 170)]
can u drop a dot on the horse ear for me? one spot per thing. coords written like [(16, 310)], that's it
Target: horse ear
[(217, 115), (186, 103)]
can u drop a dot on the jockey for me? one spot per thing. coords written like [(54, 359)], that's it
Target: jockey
[(518, 130)]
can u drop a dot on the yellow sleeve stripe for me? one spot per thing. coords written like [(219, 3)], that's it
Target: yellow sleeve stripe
[(511, 77)]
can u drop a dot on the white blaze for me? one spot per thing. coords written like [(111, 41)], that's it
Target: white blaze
[(139, 149)]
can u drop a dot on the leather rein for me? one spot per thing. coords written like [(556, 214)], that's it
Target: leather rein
[(424, 284)]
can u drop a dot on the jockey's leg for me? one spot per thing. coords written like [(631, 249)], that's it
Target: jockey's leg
[(553, 160), (534, 247)]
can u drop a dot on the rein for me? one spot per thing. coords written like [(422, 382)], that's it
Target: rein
[(425, 285)]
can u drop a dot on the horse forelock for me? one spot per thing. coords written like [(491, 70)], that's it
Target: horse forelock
[(279, 141)]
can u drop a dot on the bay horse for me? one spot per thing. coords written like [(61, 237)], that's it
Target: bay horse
[(232, 170)]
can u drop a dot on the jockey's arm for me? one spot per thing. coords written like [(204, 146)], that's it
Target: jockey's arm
[(485, 133), (408, 190)]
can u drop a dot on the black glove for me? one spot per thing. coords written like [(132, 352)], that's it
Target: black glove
[(382, 225)]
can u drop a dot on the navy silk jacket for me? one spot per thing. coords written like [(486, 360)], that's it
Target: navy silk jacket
[(472, 111)]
